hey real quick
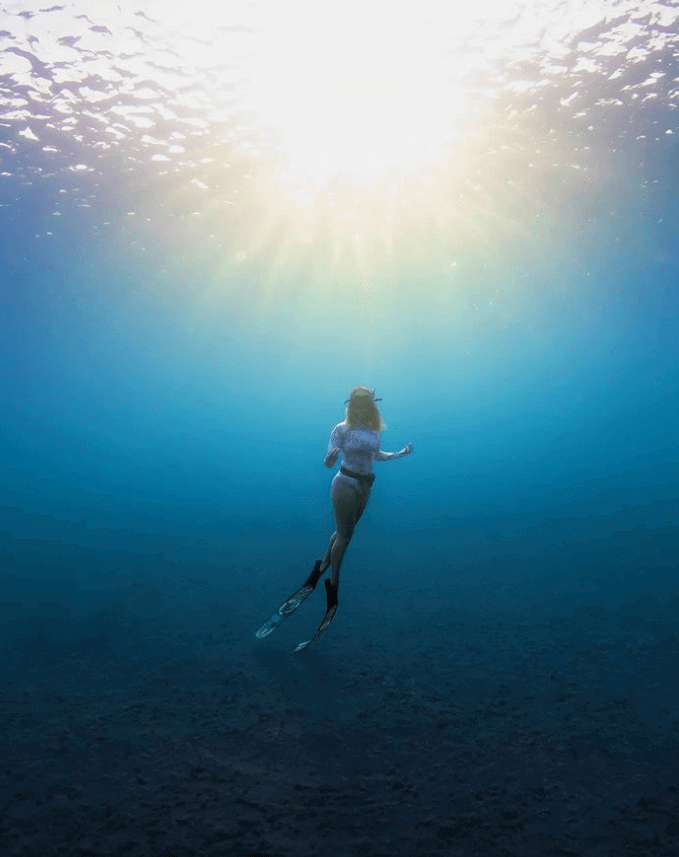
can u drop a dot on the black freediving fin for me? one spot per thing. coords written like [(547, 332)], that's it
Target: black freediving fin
[(330, 610), (290, 604)]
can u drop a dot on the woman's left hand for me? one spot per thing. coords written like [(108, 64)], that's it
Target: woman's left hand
[(408, 449), (331, 458)]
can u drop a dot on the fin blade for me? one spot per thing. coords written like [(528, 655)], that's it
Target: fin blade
[(327, 619), (286, 609)]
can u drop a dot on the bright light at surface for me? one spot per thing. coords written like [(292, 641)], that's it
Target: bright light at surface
[(352, 89), (421, 110), (356, 90)]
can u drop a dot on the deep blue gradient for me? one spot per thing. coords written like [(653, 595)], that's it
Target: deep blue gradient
[(177, 341)]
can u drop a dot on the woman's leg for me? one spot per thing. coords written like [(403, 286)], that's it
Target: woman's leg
[(326, 558), (349, 502)]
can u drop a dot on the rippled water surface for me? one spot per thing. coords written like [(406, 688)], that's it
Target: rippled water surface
[(313, 91)]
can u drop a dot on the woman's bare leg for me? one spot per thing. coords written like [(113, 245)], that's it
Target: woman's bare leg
[(326, 558), (349, 504)]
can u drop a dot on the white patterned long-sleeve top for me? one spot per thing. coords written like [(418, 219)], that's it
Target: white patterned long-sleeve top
[(359, 448)]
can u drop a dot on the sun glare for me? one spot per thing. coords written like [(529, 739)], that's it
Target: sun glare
[(356, 91)]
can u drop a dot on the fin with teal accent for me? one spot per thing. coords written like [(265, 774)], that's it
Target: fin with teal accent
[(290, 604)]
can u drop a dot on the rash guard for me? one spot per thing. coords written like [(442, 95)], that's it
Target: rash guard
[(359, 448)]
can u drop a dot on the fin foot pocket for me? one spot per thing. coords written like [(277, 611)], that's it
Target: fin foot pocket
[(315, 575)]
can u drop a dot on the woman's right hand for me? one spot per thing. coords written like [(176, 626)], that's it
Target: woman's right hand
[(407, 449), (331, 458)]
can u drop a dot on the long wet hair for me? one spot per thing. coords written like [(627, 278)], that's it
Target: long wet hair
[(362, 411)]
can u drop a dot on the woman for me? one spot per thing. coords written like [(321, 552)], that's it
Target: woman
[(358, 439)]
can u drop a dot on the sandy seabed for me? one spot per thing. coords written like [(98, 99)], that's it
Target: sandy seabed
[(471, 717)]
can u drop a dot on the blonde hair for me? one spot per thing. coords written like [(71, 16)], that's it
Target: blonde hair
[(362, 411)]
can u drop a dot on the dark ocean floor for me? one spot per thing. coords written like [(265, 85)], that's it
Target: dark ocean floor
[(471, 716)]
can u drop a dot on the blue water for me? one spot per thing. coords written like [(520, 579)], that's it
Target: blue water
[(181, 322)]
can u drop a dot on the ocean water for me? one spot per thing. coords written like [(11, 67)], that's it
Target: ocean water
[(215, 220)]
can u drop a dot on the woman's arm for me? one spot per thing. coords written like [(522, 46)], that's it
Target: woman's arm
[(331, 458), (390, 456), (334, 447)]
